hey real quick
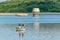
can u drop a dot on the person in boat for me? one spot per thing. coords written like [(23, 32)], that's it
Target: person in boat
[(33, 15), (20, 29), (36, 15)]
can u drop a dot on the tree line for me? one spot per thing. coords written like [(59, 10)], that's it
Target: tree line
[(27, 6)]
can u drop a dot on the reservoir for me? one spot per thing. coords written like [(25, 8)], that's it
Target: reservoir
[(43, 18), (45, 31), (44, 27)]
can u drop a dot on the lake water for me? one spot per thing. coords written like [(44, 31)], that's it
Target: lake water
[(45, 27), (48, 18), (43, 31)]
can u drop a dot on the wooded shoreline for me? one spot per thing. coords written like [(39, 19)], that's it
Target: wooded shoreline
[(5, 14)]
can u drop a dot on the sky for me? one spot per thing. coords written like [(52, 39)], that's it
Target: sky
[(2, 0)]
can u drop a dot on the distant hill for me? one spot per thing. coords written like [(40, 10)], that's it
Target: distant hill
[(27, 6)]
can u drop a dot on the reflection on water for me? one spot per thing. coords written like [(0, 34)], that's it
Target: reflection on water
[(33, 31), (36, 25)]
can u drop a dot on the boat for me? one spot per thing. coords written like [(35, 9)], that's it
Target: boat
[(20, 29), (22, 14)]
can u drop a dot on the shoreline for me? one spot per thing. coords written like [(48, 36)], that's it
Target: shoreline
[(3, 14)]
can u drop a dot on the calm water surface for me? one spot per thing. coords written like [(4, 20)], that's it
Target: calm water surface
[(45, 27), (48, 18), (33, 31)]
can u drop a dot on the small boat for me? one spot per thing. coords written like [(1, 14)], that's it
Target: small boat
[(20, 29), (22, 14), (36, 15)]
